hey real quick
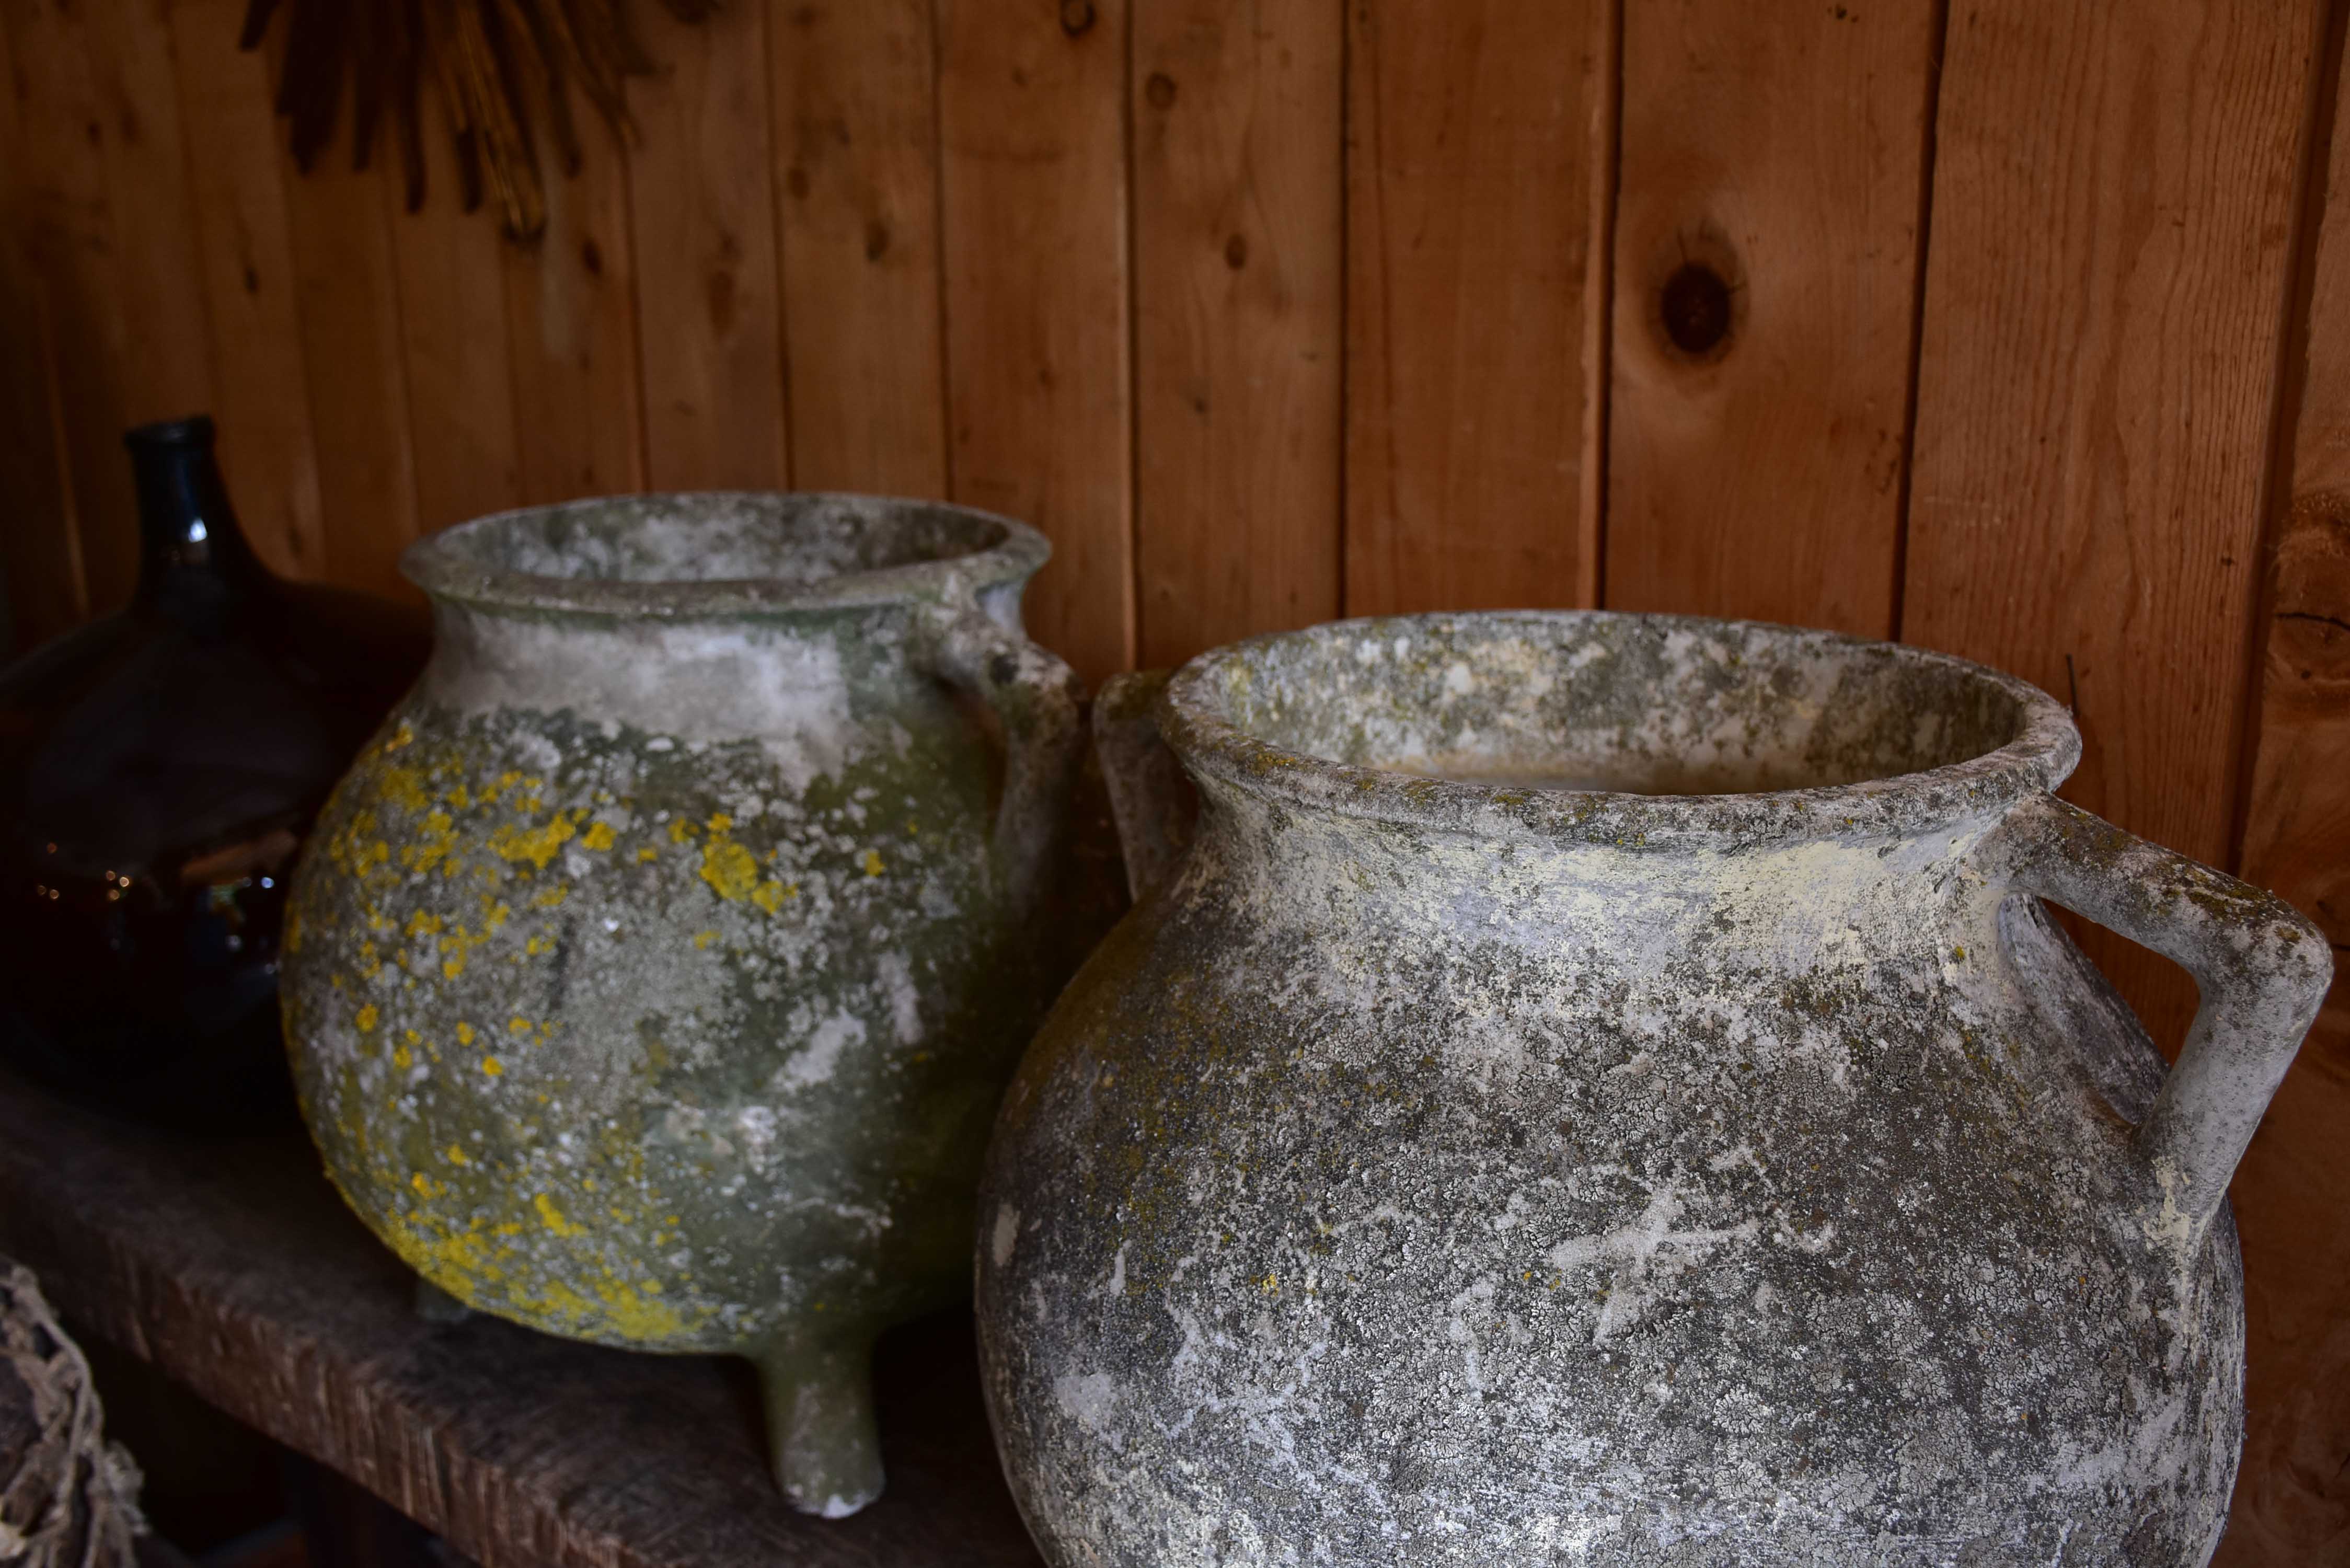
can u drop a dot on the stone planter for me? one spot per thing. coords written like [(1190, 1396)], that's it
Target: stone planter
[(654, 975), (1537, 1161)]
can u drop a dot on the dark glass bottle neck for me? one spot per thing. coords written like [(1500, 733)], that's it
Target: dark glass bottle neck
[(188, 531)]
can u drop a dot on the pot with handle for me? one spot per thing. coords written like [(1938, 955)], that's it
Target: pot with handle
[(1604, 1089), (654, 974)]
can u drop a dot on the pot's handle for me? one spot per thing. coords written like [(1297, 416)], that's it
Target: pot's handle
[(1040, 703), (2261, 966), (1150, 796)]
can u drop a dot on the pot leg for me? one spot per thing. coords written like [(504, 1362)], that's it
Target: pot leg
[(434, 1305), (821, 1437)]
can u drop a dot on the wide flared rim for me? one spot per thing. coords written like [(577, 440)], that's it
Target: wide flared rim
[(456, 565), (2043, 751)]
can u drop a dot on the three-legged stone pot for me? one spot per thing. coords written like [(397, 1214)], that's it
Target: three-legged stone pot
[(1603, 1089), (654, 975)]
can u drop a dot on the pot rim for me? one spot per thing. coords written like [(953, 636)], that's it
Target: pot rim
[(448, 564), (2039, 754)]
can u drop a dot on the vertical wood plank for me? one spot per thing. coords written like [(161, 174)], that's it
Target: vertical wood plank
[(1239, 228), (702, 203), (857, 131), (110, 231), (347, 299), (37, 548), (261, 397), (1766, 256), (1032, 127), (449, 268), (1473, 128), (2292, 1194), (2112, 229), (571, 321)]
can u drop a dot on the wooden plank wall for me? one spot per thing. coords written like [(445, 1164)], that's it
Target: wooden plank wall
[(2007, 327)]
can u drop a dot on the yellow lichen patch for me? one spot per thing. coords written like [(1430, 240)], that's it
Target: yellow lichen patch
[(404, 787), (517, 1024), (647, 853), (680, 831), (728, 867), (424, 924), (703, 939), (632, 1315), (433, 844), (460, 796), (365, 1019), (402, 738), (552, 1218), (401, 1057), (540, 942), (536, 845), (370, 962), (873, 867), (454, 1261), (598, 836), (553, 895), (425, 1186), (457, 1156), (464, 1034), (492, 1066), (770, 895)]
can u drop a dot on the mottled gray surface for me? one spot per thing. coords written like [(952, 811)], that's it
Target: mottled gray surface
[(653, 976), (1440, 1173)]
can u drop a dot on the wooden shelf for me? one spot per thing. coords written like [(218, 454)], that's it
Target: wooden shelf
[(232, 1267)]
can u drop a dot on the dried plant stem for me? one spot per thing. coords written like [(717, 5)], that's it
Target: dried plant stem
[(497, 67)]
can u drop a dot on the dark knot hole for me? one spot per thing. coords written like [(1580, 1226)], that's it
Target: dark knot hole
[(1697, 305)]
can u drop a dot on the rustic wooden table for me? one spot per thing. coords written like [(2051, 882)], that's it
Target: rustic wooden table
[(232, 1267)]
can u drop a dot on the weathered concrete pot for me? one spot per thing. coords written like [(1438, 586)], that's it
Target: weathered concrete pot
[(1515, 1166), (654, 975)]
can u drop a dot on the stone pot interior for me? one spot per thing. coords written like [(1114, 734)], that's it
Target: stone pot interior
[(1605, 702), (791, 540)]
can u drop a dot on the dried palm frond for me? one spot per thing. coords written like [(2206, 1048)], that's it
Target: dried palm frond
[(498, 67)]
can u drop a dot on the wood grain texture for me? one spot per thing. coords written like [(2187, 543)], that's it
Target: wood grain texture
[(449, 268), (857, 141), (234, 1268), (261, 395), (1775, 155), (1034, 193), (38, 549), (1238, 129), (347, 299), (702, 204), (2113, 204), (107, 229), (571, 322), (2292, 1194), (1472, 126)]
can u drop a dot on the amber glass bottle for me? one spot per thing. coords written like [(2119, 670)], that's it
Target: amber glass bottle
[(158, 770)]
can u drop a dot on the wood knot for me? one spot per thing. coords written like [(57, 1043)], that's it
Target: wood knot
[(1696, 305)]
